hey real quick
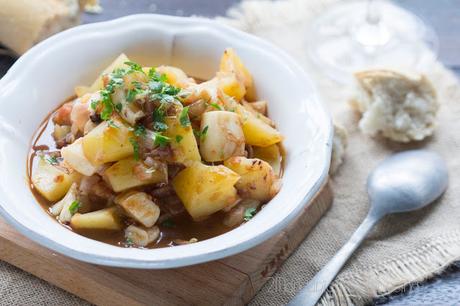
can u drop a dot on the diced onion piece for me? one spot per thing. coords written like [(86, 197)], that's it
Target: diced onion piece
[(224, 136), (74, 157), (141, 236), (65, 214), (140, 207)]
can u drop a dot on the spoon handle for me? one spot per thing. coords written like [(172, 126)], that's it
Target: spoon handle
[(312, 292)]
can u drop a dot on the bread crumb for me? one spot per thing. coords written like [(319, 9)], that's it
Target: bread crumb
[(93, 7), (402, 108), (339, 145)]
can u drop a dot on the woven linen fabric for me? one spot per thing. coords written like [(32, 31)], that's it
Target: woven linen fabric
[(402, 249)]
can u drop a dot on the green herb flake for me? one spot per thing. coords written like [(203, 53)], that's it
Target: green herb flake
[(134, 66), (169, 223), (94, 104), (216, 106), (112, 124), (52, 160), (106, 100), (131, 95), (183, 117), (160, 140), (249, 213), (179, 138), (129, 241), (159, 123), (135, 145), (204, 132), (73, 208), (119, 107), (201, 134), (139, 130)]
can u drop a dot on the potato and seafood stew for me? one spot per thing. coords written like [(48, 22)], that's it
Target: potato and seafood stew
[(150, 157)]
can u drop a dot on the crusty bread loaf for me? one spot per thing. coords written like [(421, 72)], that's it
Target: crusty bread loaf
[(339, 145), (401, 108), (23, 23)]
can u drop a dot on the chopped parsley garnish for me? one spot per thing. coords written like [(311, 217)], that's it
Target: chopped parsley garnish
[(131, 95), (106, 100), (134, 66), (201, 134), (249, 213), (216, 106), (129, 241), (179, 138), (139, 130), (119, 107), (111, 123), (135, 145), (73, 208), (159, 123), (160, 140), (183, 117), (52, 160), (154, 75), (169, 223)]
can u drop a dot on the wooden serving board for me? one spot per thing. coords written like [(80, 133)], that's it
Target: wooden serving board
[(229, 281)]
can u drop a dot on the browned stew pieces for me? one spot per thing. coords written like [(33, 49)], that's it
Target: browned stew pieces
[(148, 157)]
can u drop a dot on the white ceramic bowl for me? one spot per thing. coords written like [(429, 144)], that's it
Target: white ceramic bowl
[(46, 75)]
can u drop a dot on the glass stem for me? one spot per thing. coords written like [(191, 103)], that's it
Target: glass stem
[(373, 15)]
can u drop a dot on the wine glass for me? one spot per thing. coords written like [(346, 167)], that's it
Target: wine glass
[(352, 36)]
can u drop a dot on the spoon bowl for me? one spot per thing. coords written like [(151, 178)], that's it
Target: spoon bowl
[(406, 181)]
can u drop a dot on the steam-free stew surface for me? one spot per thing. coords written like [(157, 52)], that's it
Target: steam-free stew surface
[(201, 158)]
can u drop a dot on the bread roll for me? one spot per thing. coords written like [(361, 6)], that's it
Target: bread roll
[(23, 23), (402, 108)]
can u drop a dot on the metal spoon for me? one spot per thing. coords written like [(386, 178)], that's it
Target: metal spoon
[(403, 182)]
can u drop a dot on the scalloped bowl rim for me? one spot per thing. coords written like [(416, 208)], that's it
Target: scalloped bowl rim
[(215, 248)]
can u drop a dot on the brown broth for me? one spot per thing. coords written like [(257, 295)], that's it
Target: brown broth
[(183, 227)]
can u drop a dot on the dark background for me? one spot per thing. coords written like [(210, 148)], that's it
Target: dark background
[(443, 15)]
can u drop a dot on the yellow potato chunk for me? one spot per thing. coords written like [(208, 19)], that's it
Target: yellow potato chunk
[(256, 132), (140, 207), (119, 62), (183, 142), (74, 157), (175, 76), (52, 182), (230, 85), (257, 178), (107, 143), (107, 219), (205, 190), (250, 108), (230, 62), (270, 154), (224, 137), (129, 173)]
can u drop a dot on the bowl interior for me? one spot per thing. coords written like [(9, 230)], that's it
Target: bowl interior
[(47, 74)]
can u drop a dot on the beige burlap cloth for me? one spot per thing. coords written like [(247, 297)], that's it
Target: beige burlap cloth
[(402, 249)]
